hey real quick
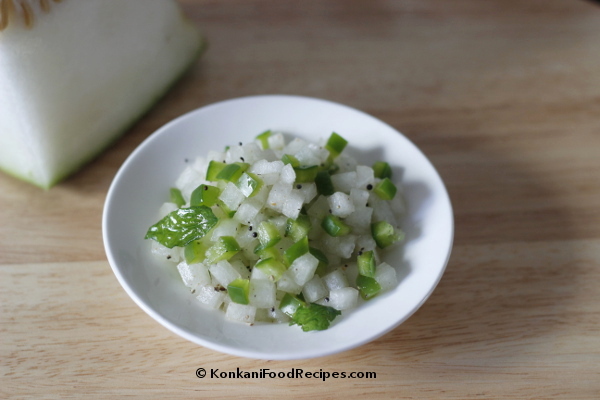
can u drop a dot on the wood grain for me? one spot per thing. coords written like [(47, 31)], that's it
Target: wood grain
[(503, 96)]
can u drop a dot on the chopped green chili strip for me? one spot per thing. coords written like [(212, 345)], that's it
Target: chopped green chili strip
[(263, 138), (368, 287), (296, 250), (289, 304), (249, 184), (232, 172), (384, 234), (177, 197), (335, 145), (382, 169), (268, 235), (223, 249), (306, 174), (323, 261), (324, 183), (366, 263), (205, 195), (334, 226), (214, 167), (298, 228), (239, 291), (271, 267), (385, 189), (290, 159)]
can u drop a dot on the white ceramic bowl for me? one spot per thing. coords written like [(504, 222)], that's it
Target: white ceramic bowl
[(143, 182)]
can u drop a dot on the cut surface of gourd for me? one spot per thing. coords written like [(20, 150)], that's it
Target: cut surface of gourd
[(75, 74)]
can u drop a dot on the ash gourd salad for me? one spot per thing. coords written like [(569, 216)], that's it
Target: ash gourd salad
[(281, 232)]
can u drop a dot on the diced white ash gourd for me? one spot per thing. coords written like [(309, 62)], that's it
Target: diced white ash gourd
[(189, 180), (336, 279), (240, 313), (232, 196), (224, 273), (277, 315), (200, 165), (360, 219), (342, 246), (164, 253), (279, 193), (194, 275), (340, 204), (366, 242), (346, 163), (262, 315), (287, 174), (234, 154), (276, 141), (225, 227), (351, 271), (364, 177), (344, 182), (245, 238), (311, 154), (314, 289), (287, 283), (308, 191), (383, 212), (268, 171), (257, 274), (343, 299), (211, 297), (240, 267), (303, 268), (293, 204), (294, 146), (247, 211), (320, 208), (262, 293), (252, 152), (360, 197), (385, 275)]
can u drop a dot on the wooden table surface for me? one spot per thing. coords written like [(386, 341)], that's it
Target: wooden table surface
[(504, 98)]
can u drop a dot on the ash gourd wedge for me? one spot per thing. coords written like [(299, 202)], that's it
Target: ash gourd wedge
[(75, 74)]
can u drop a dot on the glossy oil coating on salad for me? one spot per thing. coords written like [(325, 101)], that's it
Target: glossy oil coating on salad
[(270, 231)]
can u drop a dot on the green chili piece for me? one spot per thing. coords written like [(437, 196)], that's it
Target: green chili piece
[(263, 138), (334, 226), (271, 267), (249, 184), (382, 169), (239, 291), (385, 189), (368, 287), (290, 159), (384, 234), (335, 145), (223, 249), (205, 195), (176, 197), (296, 250), (324, 183), (232, 172), (366, 263), (214, 168)]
